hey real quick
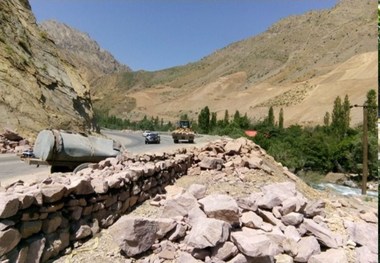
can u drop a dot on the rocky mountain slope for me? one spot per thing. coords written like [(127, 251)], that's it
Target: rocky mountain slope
[(301, 64), (82, 51), (38, 88)]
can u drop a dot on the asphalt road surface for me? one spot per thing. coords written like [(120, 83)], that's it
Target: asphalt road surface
[(13, 169)]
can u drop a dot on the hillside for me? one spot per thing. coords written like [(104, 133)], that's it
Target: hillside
[(82, 51), (38, 89), (302, 63)]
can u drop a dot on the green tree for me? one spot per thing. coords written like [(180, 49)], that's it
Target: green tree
[(270, 118), (204, 120), (372, 110), (336, 116), (326, 119), (226, 119), (346, 114), (244, 122), (237, 118), (281, 119), (213, 120), (340, 117)]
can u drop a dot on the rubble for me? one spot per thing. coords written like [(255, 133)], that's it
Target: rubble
[(271, 222), (11, 142)]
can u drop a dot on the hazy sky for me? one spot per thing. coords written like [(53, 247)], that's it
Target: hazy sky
[(158, 34)]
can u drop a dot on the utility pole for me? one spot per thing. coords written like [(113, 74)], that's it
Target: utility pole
[(365, 150), (365, 147)]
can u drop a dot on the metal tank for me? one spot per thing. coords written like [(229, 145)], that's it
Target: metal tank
[(64, 150)]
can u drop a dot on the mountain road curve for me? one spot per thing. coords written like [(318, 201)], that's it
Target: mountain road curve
[(12, 168)]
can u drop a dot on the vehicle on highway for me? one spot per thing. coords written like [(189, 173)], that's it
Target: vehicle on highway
[(152, 137), (183, 132), (145, 133), (69, 151), (27, 154)]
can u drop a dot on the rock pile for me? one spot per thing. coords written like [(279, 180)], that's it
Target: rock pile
[(277, 224), (11, 142), (39, 221)]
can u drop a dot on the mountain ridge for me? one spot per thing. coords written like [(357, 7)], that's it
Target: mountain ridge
[(291, 54), (82, 51)]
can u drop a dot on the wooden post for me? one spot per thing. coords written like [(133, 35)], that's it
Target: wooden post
[(365, 150)]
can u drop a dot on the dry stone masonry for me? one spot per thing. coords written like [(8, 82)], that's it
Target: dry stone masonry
[(279, 223)]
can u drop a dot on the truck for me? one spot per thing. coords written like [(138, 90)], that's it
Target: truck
[(69, 151), (183, 132)]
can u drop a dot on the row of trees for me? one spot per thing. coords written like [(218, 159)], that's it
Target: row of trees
[(333, 146)]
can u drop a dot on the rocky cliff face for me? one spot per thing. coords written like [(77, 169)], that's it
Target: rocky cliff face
[(82, 51), (38, 89)]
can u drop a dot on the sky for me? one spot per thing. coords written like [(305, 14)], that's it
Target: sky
[(157, 34)]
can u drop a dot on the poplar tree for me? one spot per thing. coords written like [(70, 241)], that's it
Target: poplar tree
[(372, 110), (237, 118), (270, 117), (337, 116), (326, 119), (346, 114), (204, 120), (226, 119), (213, 120), (281, 119)]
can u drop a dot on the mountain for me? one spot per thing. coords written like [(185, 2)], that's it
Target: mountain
[(300, 64), (82, 51), (38, 88)]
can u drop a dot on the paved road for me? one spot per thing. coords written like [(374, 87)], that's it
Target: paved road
[(134, 142), (12, 168)]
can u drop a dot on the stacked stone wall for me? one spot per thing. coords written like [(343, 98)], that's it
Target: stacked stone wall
[(39, 221)]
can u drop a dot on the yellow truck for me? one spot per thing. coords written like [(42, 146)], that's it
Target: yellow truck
[(183, 132)]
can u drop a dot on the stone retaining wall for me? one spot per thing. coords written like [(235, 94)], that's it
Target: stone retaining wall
[(37, 222)]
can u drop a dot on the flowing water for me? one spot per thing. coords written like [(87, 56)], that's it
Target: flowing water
[(343, 190)]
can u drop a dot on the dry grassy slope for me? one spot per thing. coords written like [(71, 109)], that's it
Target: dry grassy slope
[(301, 64), (38, 89)]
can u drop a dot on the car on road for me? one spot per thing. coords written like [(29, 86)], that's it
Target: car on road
[(152, 137), (145, 133), (27, 154)]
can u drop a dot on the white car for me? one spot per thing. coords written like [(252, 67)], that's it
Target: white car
[(145, 133)]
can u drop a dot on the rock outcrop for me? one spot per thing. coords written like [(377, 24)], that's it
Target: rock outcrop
[(77, 47), (38, 88)]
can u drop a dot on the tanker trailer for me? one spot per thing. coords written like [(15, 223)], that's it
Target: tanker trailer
[(68, 151)]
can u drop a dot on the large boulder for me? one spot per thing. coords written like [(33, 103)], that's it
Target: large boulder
[(9, 205), (255, 244), (221, 207), (8, 240), (331, 256), (364, 234), (179, 205), (323, 234), (211, 163), (137, 235), (208, 232), (307, 247), (364, 255), (275, 194)]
